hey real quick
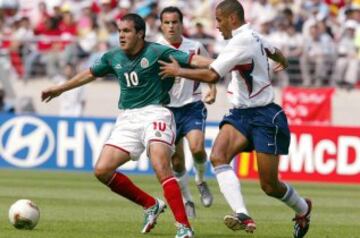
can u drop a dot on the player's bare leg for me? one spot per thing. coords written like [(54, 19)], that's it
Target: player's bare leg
[(178, 165), (228, 143), (110, 159), (160, 155), (270, 184), (196, 143)]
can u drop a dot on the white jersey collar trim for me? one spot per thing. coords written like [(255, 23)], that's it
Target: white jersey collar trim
[(162, 40), (238, 30)]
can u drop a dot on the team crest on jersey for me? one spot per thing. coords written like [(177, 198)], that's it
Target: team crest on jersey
[(144, 63)]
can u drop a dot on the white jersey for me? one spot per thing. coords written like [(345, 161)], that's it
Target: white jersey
[(185, 91), (245, 57)]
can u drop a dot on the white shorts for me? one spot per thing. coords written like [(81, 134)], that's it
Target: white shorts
[(135, 129)]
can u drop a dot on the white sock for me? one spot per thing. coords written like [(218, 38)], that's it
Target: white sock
[(294, 201), (183, 181), (199, 171), (230, 187)]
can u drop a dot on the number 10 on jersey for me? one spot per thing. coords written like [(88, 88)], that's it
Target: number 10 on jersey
[(132, 79)]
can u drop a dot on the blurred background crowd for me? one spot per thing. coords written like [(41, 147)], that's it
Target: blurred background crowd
[(54, 39)]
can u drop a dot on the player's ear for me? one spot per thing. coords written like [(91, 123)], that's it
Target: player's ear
[(232, 17), (141, 35)]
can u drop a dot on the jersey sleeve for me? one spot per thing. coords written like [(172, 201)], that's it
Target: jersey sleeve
[(231, 56), (267, 45), (181, 57), (101, 67)]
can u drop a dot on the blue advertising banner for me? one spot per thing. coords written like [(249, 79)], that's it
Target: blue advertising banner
[(38, 142)]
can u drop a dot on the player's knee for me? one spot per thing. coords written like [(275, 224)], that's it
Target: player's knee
[(102, 174), (269, 189), (196, 147), (178, 165), (217, 159)]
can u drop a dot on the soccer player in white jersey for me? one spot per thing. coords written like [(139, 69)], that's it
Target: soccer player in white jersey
[(189, 111), (254, 122)]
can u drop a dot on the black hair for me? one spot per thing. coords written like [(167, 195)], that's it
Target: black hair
[(232, 6), (171, 10), (138, 21)]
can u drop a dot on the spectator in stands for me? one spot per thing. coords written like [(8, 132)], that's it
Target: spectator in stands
[(205, 38), (293, 50), (49, 48), (113, 35), (108, 12), (85, 44), (317, 57), (40, 15), (347, 62), (101, 48), (79, 20), (152, 27), (260, 8), (124, 8), (68, 28), (278, 38)]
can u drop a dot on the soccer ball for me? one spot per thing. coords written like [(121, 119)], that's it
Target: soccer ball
[(24, 214)]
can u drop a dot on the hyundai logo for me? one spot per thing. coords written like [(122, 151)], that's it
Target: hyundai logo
[(26, 141)]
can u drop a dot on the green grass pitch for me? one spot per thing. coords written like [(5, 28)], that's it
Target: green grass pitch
[(76, 205)]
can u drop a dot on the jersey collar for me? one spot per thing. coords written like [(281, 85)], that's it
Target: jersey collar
[(177, 46), (240, 29)]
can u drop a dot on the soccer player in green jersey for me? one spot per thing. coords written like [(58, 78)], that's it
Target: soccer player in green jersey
[(143, 122)]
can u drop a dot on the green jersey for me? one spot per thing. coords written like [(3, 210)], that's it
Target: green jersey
[(138, 76)]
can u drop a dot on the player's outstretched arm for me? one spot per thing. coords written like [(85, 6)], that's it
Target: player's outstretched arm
[(199, 61), (173, 69), (279, 58), (81, 78)]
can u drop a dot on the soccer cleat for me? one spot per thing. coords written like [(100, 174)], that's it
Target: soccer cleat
[(205, 194), (302, 223), (183, 231), (240, 221), (151, 214), (190, 209)]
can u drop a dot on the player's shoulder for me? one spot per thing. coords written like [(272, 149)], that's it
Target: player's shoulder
[(156, 48), (244, 32), (113, 52), (246, 36), (191, 43), (157, 45)]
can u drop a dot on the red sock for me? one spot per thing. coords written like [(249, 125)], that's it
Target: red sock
[(174, 199), (123, 186)]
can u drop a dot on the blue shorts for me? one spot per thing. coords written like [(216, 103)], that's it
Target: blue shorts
[(266, 128), (190, 117)]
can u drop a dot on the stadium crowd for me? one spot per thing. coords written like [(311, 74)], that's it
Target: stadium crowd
[(321, 38)]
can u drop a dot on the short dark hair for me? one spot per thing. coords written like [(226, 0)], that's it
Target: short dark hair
[(232, 6), (138, 21), (171, 10)]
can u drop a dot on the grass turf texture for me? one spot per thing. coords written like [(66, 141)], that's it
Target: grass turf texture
[(76, 205)]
